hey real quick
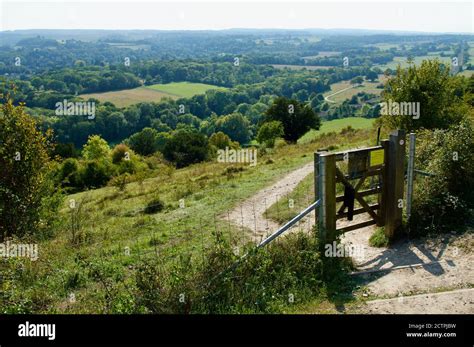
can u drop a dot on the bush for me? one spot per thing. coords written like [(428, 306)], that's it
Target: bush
[(443, 201), (144, 142), (221, 141), (24, 171), (266, 281), (185, 148), (120, 152), (96, 173), (430, 84), (378, 238), (69, 173), (120, 182), (269, 132), (96, 148), (154, 206)]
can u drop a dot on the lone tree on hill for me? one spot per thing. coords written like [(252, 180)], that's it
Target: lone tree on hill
[(297, 118)]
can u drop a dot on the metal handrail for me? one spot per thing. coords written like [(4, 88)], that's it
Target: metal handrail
[(289, 224), (270, 238)]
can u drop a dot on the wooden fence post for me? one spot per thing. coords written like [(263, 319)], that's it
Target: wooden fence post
[(394, 184), (327, 196)]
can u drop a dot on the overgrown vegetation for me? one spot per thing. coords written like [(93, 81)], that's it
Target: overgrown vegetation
[(445, 199), (378, 238), (269, 280)]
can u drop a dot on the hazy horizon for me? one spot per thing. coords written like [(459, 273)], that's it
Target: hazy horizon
[(402, 16)]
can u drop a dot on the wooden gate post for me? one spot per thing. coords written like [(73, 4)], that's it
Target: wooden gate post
[(394, 182), (326, 189)]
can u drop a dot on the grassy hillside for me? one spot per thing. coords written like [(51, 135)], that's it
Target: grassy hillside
[(336, 126), (113, 234)]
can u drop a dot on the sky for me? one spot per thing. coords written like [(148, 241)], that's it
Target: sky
[(418, 15)]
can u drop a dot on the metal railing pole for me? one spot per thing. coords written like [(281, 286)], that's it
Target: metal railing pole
[(410, 173)]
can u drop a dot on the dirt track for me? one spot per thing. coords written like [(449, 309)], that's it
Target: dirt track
[(251, 213)]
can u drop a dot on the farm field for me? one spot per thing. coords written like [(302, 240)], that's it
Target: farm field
[(153, 93), (367, 87), (301, 67), (183, 89), (417, 60), (127, 97), (471, 53)]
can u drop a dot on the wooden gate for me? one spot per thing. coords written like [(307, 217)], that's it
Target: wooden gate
[(383, 166)]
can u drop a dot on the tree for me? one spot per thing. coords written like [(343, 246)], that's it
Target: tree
[(96, 148), (371, 75), (236, 126), (25, 165), (429, 86), (120, 152), (269, 131), (297, 119), (144, 142), (186, 147), (357, 80), (221, 141)]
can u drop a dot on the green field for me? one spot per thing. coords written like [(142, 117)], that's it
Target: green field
[(402, 61), (301, 67), (153, 93), (183, 89), (337, 125)]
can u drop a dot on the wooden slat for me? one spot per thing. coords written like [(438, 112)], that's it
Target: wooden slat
[(340, 155), (358, 211), (340, 198), (355, 226), (367, 207)]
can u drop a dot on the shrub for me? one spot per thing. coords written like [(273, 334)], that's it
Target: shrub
[(96, 173), (430, 84), (269, 132), (96, 148), (442, 201), (144, 142), (378, 238), (263, 282), (24, 171), (120, 152), (185, 148), (69, 173), (120, 182), (221, 141), (154, 206)]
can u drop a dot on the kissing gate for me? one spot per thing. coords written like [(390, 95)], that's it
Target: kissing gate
[(383, 165)]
